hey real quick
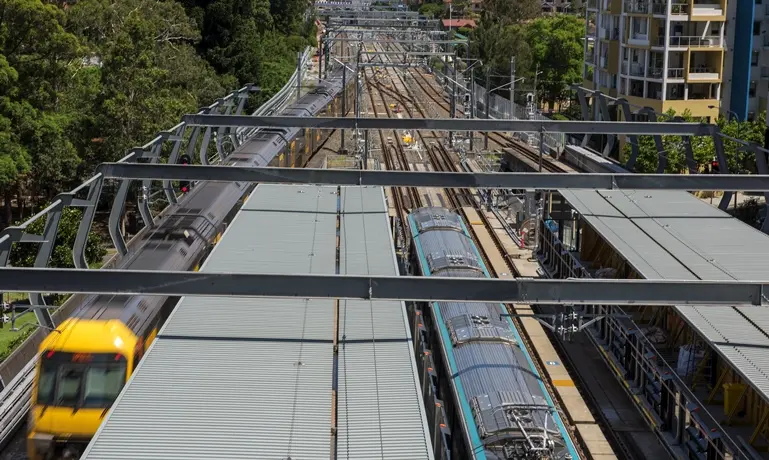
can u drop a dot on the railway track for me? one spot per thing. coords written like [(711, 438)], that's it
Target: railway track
[(500, 263), (592, 433), (522, 150)]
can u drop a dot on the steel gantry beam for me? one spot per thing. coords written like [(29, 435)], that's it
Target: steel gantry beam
[(348, 30), (395, 23), (427, 179), (376, 14), (416, 288), (401, 41), (455, 124)]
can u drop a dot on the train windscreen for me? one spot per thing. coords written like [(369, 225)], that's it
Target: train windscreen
[(80, 380)]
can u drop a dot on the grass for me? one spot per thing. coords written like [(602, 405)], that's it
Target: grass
[(9, 340)]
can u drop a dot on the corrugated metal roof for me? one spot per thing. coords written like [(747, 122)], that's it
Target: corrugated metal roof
[(252, 377), (380, 405), (674, 235)]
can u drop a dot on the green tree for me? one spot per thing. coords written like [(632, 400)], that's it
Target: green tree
[(37, 59), (702, 146), (506, 12), (495, 45), (556, 44), (144, 72), (431, 9), (252, 40), (23, 255)]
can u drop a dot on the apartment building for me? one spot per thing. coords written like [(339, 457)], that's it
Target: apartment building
[(747, 59), (662, 54)]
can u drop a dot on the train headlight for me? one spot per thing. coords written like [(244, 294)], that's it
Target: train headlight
[(42, 442)]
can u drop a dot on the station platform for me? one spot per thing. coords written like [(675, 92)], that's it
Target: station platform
[(233, 377), (723, 370)]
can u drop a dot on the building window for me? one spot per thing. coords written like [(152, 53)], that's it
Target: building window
[(754, 58), (757, 28), (752, 89)]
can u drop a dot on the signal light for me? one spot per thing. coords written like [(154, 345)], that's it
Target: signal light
[(714, 166), (184, 160)]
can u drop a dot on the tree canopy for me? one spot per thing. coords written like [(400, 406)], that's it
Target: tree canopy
[(552, 43), (82, 82)]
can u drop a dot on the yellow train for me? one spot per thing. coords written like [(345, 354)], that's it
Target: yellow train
[(82, 368)]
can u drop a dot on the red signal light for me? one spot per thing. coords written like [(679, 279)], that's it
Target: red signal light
[(184, 189)]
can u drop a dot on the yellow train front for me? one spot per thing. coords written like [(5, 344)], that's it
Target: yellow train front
[(82, 368)]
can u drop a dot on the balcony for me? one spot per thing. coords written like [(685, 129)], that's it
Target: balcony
[(604, 61), (679, 8), (676, 73), (707, 9), (590, 57), (708, 41), (637, 38), (603, 34), (655, 72), (659, 9), (638, 7), (703, 73), (592, 4), (634, 69), (765, 73)]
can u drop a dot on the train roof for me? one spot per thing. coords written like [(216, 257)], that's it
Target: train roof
[(495, 376), (95, 336)]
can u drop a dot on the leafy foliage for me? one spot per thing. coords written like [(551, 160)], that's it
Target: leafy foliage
[(702, 147), (556, 43), (23, 255), (81, 82), (552, 43), (254, 41)]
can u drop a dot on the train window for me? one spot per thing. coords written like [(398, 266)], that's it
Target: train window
[(102, 385), (80, 379)]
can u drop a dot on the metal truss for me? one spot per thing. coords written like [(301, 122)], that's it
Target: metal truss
[(401, 41), (601, 104), (395, 23), (332, 33), (407, 53), (86, 195), (417, 288), (375, 14), (500, 180), (455, 124)]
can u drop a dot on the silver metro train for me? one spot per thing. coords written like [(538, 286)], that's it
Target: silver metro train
[(481, 388)]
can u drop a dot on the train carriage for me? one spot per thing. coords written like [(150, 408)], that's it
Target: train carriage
[(496, 406)]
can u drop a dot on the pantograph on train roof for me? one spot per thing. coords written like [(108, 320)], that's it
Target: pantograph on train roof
[(435, 218), (476, 328), (519, 425)]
